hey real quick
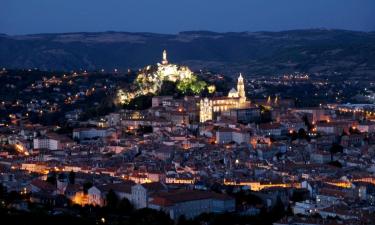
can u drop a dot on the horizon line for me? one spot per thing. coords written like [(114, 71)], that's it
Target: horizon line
[(187, 31)]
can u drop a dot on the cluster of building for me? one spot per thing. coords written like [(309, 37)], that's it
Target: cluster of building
[(172, 156)]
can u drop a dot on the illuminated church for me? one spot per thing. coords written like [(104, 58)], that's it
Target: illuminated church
[(236, 99), (172, 72)]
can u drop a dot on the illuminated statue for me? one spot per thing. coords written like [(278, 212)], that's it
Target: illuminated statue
[(165, 61)]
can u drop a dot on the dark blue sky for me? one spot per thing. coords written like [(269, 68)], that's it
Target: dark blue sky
[(172, 16)]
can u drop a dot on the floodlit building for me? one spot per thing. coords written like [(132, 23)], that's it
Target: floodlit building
[(236, 99)]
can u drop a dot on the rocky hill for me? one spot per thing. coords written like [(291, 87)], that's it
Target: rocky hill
[(254, 53)]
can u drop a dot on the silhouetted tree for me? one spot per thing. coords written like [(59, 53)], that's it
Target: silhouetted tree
[(299, 195), (168, 88), (72, 177), (3, 191), (293, 136), (87, 186), (111, 199), (336, 164), (335, 148), (353, 130), (52, 178), (125, 206), (139, 103), (302, 134), (148, 216), (278, 211), (307, 123)]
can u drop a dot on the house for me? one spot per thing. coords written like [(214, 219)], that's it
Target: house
[(224, 135), (158, 100), (270, 129), (97, 194), (337, 127), (246, 115), (337, 212), (304, 208), (227, 135), (366, 127), (191, 203), (140, 193), (330, 197), (241, 136), (266, 152), (316, 114), (352, 140), (38, 185), (43, 192), (320, 157), (91, 133), (53, 141)]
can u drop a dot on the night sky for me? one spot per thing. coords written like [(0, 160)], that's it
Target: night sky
[(172, 16)]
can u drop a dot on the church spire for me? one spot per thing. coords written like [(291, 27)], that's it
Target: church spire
[(241, 89)]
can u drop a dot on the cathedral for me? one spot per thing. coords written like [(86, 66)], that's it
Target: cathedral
[(236, 99)]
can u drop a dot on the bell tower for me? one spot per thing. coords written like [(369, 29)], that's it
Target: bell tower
[(205, 112), (241, 89)]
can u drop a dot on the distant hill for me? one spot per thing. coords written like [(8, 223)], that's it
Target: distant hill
[(253, 53)]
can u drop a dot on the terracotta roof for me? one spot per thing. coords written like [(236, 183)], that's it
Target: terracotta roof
[(267, 126), (174, 197), (44, 186), (119, 187), (154, 186)]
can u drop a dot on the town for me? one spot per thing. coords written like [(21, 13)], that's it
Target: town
[(188, 146)]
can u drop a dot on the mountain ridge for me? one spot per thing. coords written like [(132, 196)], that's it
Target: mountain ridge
[(258, 53)]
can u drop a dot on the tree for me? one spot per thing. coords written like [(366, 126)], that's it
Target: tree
[(191, 85), (335, 148), (299, 195), (302, 134), (182, 220), (112, 200), (335, 163), (144, 129), (265, 114), (278, 209), (168, 88), (125, 206), (307, 122), (197, 87), (139, 103), (87, 186), (148, 216), (72, 177), (3, 190), (61, 176), (52, 177), (293, 135), (353, 130)]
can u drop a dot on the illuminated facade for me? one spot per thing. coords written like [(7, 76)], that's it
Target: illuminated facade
[(236, 99), (172, 72), (241, 89), (150, 79), (205, 112)]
